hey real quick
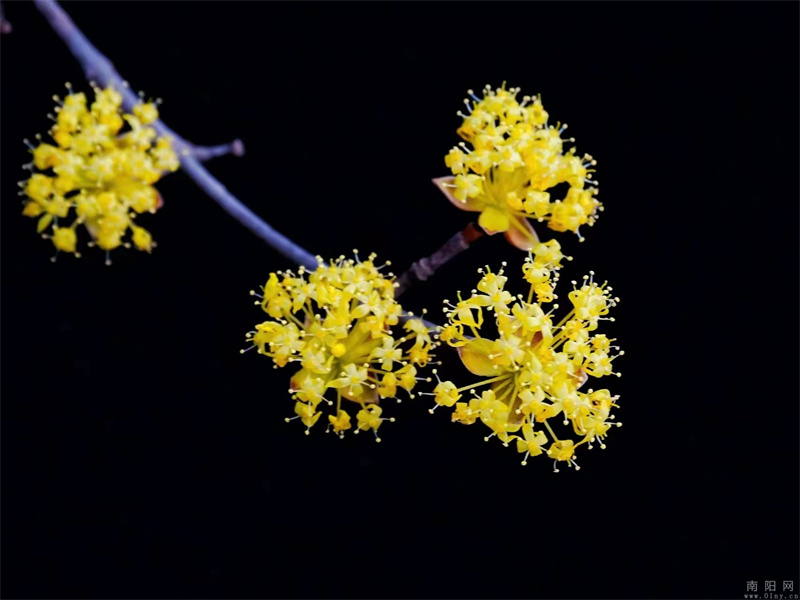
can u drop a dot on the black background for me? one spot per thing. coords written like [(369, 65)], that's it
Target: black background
[(143, 456)]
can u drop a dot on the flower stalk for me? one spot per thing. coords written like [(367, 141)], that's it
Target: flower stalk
[(424, 268)]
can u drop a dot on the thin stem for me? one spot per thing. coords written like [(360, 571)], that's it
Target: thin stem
[(234, 207), (426, 267), (100, 70), (5, 26), (204, 153)]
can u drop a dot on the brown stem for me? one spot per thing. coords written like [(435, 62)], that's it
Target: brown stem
[(426, 267)]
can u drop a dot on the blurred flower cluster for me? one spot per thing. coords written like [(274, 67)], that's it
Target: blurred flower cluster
[(515, 157), (103, 167), (337, 322), (533, 368)]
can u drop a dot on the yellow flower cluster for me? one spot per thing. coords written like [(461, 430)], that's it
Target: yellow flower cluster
[(336, 322), (515, 158), (534, 368), (106, 174)]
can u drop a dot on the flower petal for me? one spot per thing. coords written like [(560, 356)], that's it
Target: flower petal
[(470, 204), (493, 220), (294, 382), (583, 376), (521, 234), (475, 356), (368, 396), (92, 229), (44, 222)]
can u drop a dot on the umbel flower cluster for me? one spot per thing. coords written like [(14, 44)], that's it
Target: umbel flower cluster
[(103, 168), (532, 368), (515, 157), (338, 322)]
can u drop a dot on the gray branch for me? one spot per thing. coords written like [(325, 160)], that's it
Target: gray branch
[(100, 70), (5, 26), (204, 153)]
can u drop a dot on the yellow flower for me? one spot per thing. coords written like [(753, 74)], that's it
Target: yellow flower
[(351, 380), (336, 322), (142, 238), (531, 443), (64, 239), (369, 417), (563, 450), (444, 394), (464, 413), (340, 423), (515, 158), (146, 113), (102, 171), (534, 369), (307, 413)]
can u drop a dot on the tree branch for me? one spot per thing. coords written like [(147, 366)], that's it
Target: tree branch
[(426, 267), (5, 26), (99, 69), (204, 153)]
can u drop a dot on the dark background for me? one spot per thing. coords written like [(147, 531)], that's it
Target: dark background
[(143, 456)]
